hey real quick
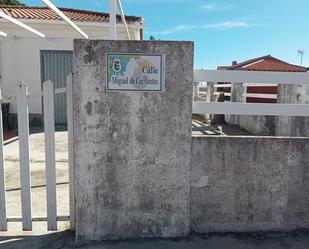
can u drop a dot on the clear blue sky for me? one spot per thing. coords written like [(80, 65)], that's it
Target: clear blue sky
[(223, 30)]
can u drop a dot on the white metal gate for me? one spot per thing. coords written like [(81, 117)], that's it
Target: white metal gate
[(51, 217)]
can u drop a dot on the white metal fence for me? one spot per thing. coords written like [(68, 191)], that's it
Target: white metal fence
[(22, 99), (267, 78)]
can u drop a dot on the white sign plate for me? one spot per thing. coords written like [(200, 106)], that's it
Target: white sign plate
[(135, 72)]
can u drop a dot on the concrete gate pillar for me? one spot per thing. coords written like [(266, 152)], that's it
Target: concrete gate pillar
[(237, 91), (132, 149), (292, 126)]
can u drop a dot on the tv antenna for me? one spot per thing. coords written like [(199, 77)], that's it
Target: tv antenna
[(301, 53)]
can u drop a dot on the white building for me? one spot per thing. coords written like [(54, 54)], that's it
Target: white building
[(29, 58)]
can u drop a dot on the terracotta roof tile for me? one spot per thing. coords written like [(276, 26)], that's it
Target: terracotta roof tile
[(44, 13), (265, 63)]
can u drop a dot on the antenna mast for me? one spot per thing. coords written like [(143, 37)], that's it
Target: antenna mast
[(301, 53)]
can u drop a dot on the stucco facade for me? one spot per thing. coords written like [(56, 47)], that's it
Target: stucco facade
[(20, 51)]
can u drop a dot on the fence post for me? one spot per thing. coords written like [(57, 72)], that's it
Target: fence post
[(3, 219), (49, 128), (237, 92), (210, 91), (209, 97), (71, 150), (23, 134), (112, 20)]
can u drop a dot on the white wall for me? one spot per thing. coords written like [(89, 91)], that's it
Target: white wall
[(20, 52)]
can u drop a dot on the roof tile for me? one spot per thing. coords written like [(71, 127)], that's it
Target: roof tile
[(44, 13), (265, 63)]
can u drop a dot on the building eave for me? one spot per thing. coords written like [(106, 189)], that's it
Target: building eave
[(79, 23)]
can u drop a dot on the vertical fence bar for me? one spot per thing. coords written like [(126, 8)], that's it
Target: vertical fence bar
[(112, 20), (49, 128), (123, 19), (71, 150), (23, 134), (3, 221)]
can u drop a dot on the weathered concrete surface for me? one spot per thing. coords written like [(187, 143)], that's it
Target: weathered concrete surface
[(271, 125), (292, 126), (65, 240), (237, 91), (249, 184), (259, 125), (132, 150)]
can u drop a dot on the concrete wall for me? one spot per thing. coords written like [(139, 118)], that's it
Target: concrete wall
[(249, 184), (20, 52), (271, 125), (132, 149), (258, 125)]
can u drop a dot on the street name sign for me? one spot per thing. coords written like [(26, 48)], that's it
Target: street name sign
[(135, 72)]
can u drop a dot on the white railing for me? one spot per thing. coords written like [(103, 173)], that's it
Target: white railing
[(260, 95), (250, 77), (22, 99), (254, 78)]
